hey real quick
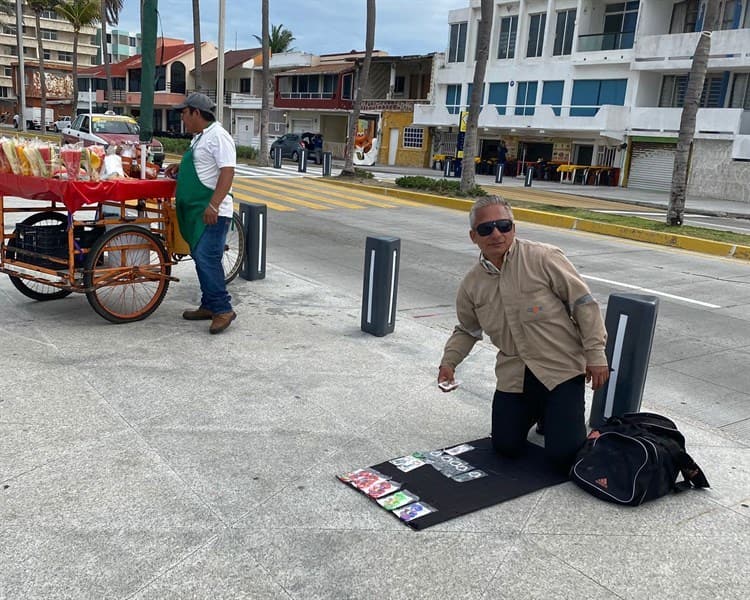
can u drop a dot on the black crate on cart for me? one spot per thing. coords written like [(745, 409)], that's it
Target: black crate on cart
[(51, 240)]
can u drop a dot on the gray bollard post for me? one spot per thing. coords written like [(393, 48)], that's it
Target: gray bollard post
[(529, 177), (277, 157), (327, 162), (254, 222), (630, 322), (499, 173), (382, 256), (302, 161)]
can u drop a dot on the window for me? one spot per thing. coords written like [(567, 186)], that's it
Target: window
[(46, 54), (566, 21), (673, 90), (552, 92), (506, 47), (94, 60), (9, 29), (457, 49), (453, 98), (134, 80), (160, 78), (94, 41), (684, 17), (49, 14), (619, 25), (12, 50), (536, 35), (526, 97), (131, 42), (469, 89), (589, 94), (399, 85), (4, 92), (740, 91), (729, 14), (346, 86), (246, 85), (109, 38), (329, 85), (8, 72), (48, 34), (413, 137), (64, 56), (499, 96)]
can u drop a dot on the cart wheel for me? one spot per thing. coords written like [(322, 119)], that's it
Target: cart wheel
[(33, 289), (234, 249), (127, 269)]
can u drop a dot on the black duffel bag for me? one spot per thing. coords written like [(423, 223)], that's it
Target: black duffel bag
[(635, 458)]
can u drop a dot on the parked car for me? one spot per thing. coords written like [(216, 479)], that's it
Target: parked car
[(109, 128), (61, 124), (290, 144)]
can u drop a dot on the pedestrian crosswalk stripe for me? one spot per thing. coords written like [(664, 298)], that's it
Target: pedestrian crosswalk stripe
[(358, 194), (332, 191), (286, 192), (250, 191)]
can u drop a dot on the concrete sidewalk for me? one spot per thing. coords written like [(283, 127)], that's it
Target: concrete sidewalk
[(154, 461)]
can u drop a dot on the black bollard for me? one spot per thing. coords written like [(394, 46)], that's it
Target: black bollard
[(630, 322), (499, 173), (277, 157), (327, 162), (254, 219), (302, 161), (382, 256)]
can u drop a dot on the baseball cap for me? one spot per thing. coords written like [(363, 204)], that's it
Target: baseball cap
[(199, 101)]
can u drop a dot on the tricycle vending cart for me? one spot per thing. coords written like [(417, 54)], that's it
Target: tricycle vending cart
[(121, 258)]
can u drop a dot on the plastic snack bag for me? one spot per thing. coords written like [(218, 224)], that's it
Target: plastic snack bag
[(71, 159)]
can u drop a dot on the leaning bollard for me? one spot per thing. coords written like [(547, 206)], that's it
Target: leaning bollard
[(327, 162), (302, 161), (254, 218), (529, 177), (277, 157), (382, 255), (499, 173), (630, 322)]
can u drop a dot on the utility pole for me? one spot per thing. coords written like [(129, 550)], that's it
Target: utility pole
[(21, 75), (148, 69), (220, 67)]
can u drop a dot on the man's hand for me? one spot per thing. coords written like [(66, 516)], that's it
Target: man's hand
[(210, 216), (597, 376), (445, 374), (171, 171)]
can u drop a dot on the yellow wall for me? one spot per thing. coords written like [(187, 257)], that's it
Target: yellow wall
[(405, 157)]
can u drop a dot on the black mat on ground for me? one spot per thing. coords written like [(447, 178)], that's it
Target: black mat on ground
[(505, 479)]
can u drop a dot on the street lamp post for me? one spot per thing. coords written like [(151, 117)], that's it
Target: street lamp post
[(220, 66)]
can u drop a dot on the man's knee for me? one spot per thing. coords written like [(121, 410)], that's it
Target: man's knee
[(512, 447)]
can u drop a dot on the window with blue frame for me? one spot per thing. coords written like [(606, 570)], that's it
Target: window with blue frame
[(673, 88), (552, 92), (619, 25), (453, 98), (590, 94), (526, 97), (470, 87), (499, 96)]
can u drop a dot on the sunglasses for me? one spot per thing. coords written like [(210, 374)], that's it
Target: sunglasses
[(502, 225)]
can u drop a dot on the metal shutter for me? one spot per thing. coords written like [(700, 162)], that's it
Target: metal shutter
[(651, 166)]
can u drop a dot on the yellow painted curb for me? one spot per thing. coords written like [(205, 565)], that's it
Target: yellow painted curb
[(682, 242)]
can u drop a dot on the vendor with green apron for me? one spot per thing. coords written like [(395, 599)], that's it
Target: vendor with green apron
[(205, 207)]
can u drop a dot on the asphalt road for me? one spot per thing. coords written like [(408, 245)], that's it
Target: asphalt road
[(698, 364)]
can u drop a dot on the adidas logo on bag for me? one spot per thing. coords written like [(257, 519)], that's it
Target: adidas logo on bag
[(602, 482)]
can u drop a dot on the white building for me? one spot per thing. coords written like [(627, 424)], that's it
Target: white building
[(597, 82)]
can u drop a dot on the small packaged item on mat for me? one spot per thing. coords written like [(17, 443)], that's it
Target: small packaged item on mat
[(413, 511), (459, 449), (382, 487), (470, 476), (407, 463), (362, 478), (397, 500)]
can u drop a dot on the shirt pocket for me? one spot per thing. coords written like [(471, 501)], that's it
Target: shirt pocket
[(540, 307)]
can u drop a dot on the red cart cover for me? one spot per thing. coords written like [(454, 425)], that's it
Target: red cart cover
[(76, 194)]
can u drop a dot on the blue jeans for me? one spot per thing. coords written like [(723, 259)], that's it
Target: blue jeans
[(207, 255)]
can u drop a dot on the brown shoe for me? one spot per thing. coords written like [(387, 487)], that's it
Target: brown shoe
[(199, 314), (221, 321)]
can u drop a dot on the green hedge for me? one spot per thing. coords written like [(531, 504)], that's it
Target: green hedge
[(179, 146), (440, 186)]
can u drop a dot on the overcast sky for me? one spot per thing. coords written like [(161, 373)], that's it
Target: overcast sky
[(319, 26)]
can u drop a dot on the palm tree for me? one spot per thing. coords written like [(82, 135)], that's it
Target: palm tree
[(267, 89), (364, 75), (197, 42), (280, 39), (110, 14), (696, 79), (80, 13), (468, 169), (38, 7)]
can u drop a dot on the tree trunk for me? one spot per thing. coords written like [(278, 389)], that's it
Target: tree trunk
[(105, 60), (362, 78), (468, 166), (197, 42), (696, 79), (267, 86), (42, 76)]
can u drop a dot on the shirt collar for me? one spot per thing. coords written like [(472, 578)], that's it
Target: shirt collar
[(490, 267)]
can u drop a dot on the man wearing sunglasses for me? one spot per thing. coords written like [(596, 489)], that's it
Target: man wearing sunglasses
[(548, 329)]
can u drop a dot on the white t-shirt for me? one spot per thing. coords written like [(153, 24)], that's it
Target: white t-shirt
[(214, 149)]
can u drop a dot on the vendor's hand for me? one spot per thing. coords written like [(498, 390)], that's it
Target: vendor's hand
[(445, 373), (172, 170), (597, 375), (210, 216)]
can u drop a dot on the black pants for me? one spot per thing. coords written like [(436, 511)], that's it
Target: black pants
[(562, 409)]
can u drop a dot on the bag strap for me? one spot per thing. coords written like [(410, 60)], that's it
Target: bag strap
[(692, 473)]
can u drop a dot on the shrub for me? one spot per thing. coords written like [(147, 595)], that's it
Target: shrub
[(440, 186), (247, 152), (175, 145)]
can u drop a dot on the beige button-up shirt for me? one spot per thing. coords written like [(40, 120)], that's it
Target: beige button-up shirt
[(536, 310)]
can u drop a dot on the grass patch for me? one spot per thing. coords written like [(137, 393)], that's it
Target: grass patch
[(439, 186)]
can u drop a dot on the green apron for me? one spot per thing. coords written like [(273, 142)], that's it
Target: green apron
[(192, 199)]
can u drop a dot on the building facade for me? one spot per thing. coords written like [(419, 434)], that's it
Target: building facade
[(601, 83)]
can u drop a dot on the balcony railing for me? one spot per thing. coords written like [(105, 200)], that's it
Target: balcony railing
[(598, 42)]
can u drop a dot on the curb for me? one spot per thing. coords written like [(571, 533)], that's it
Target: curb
[(682, 242)]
